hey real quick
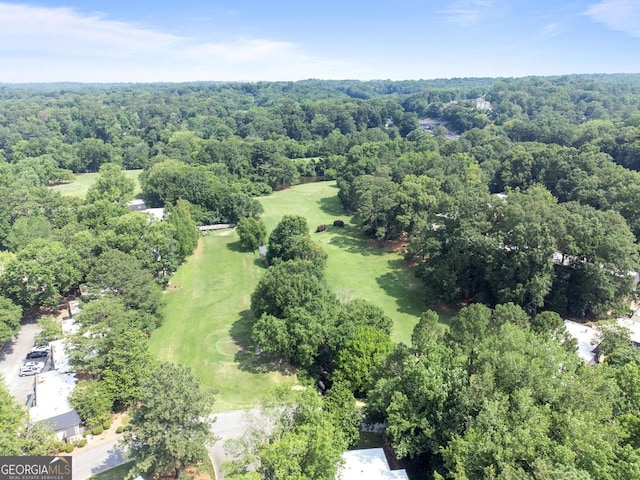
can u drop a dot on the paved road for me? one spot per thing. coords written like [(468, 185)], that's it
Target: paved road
[(227, 425), (96, 459), (12, 355)]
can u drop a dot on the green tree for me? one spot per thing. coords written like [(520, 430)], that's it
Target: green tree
[(118, 274), (252, 233), (293, 437), (355, 363), (287, 285), (353, 315), (50, 330), (91, 153), (10, 315), (281, 237), (296, 338), (11, 420), (427, 331), (108, 327), (170, 425), (186, 233), (111, 185), (93, 401), (128, 364), (40, 273), (18, 435), (26, 229)]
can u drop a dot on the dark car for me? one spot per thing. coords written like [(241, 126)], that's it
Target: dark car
[(38, 354)]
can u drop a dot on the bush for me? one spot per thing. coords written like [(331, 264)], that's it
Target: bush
[(68, 447), (106, 425), (97, 430), (120, 429), (81, 443)]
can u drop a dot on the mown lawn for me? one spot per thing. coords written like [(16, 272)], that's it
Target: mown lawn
[(356, 267), (115, 473), (82, 182), (207, 317)]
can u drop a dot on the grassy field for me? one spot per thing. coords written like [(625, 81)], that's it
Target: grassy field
[(207, 317), (82, 182)]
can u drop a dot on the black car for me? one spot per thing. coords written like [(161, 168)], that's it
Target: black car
[(38, 354)]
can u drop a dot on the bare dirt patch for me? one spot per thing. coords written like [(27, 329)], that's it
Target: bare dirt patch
[(400, 245), (171, 288), (197, 253)]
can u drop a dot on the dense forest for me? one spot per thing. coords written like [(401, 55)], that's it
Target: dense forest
[(518, 199)]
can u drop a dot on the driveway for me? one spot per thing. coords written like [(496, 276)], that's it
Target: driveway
[(12, 354)]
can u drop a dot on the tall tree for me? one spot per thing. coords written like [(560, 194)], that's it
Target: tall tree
[(10, 315), (293, 437), (111, 185), (283, 235), (170, 425), (186, 234), (252, 233)]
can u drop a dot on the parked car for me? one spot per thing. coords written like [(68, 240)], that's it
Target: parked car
[(41, 348), (37, 354), (31, 368)]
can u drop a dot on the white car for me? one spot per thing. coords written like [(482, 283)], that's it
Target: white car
[(31, 368), (41, 348)]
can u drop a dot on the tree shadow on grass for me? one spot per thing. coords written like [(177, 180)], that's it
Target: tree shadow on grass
[(247, 358), (405, 287), (236, 247), (352, 240), (332, 206)]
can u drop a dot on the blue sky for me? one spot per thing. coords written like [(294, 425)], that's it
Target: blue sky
[(251, 40)]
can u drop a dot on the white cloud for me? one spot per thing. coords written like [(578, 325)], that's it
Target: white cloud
[(39, 44), (552, 29), (466, 13), (621, 15)]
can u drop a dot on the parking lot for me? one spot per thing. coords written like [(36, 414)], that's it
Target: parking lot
[(12, 356)]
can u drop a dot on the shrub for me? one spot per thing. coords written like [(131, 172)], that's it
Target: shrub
[(106, 425), (81, 443), (120, 429), (68, 447), (97, 430)]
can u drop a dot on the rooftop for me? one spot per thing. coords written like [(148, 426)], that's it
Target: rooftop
[(52, 395), (64, 420), (368, 464), (586, 337)]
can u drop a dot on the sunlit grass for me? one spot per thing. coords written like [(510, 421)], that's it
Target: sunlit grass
[(82, 182), (207, 318)]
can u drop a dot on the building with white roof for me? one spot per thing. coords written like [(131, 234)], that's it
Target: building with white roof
[(587, 338), (50, 404), (368, 464)]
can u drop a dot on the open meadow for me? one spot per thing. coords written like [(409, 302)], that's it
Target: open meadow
[(82, 182), (207, 316)]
